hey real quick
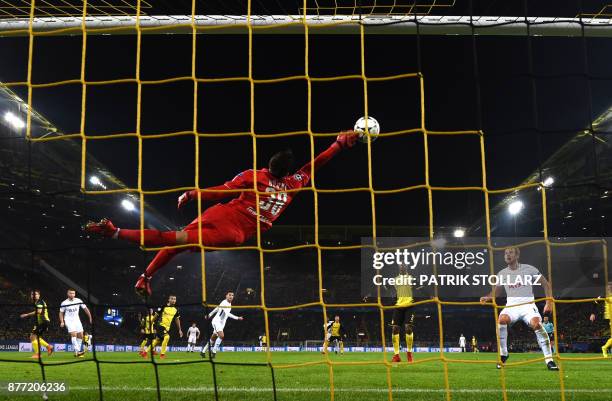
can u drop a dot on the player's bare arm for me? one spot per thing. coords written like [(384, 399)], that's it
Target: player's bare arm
[(494, 293), (178, 326), (88, 313), (548, 291), (26, 315)]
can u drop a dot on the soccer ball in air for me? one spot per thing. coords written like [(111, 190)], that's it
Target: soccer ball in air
[(373, 129)]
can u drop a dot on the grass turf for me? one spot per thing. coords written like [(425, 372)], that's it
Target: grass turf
[(126, 376)]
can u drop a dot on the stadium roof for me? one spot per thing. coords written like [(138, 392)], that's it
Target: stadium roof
[(577, 198)]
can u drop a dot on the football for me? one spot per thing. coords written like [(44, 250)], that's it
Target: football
[(373, 129)]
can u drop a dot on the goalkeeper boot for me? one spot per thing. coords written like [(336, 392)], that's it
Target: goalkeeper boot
[(396, 358), (504, 358), (50, 350), (551, 365), (409, 355), (143, 286), (104, 227)]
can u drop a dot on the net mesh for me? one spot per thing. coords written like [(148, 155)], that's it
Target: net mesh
[(138, 9)]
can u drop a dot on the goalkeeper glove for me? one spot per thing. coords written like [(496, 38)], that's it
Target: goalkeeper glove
[(184, 198), (347, 139)]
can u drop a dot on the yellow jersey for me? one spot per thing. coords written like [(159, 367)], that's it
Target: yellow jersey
[(147, 324), (43, 315), (166, 314), (474, 342), (335, 329), (403, 290)]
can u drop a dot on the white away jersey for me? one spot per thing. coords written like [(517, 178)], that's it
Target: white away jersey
[(71, 309), (222, 312), (193, 332), (517, 283), (462, 341)]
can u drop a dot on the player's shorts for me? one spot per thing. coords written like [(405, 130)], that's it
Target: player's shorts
[(524, 312), (40, 328), (161, 332), (403, 316), (334, 338), (217, 326), (222, 226), (192, 340), (148, 337), (73, 326)]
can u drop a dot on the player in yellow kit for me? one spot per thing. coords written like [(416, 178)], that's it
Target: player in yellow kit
[(608, 316), (474, 345), (165, 316), (403, 315), (147, 329), (334, 333), (41, 325)]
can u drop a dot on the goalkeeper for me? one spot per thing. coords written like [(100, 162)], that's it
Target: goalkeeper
[(232, 223)]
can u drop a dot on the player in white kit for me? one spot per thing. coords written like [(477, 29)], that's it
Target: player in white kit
[(69, 318), (193, 335), (220, 313), (518, 280), (462, 343)]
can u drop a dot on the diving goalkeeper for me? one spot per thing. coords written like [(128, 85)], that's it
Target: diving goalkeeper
[(232, 223)]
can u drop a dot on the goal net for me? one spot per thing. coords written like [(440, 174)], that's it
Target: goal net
[(436, 74)]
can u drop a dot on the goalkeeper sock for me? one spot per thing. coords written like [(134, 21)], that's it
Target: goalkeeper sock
[(79, 342), (544, 342), (409, 341), (342, 347), (217, 344), (503, 339), (75, 346), (396, 344), (151, 237), (165, 344), (161, 259)]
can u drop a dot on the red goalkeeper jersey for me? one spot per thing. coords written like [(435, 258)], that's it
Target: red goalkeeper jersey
[(270, 206)]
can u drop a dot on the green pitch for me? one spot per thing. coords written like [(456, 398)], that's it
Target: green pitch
[(131, 378)]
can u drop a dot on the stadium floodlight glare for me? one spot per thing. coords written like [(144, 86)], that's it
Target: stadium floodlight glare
[(548, 181), (94, 180), (459, 233), (128, 205), (515, 207), (15, 121)]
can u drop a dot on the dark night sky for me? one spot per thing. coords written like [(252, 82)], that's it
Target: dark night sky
[(507, 107)]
